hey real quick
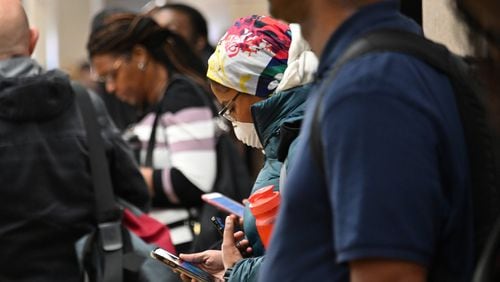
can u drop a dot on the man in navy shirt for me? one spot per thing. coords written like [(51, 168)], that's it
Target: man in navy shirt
[(394, 201)]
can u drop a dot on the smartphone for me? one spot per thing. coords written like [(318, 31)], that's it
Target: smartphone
[(186, 268), (224, 203), (219, 224)]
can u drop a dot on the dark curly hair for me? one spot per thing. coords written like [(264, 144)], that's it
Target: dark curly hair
[(118, 33)]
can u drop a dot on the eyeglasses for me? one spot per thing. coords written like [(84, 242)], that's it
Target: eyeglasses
[(111, 75), (224, 112)]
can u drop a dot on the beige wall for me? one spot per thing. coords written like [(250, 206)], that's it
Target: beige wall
[(440, 24), (220, 14), (64, 24), (64, 27)]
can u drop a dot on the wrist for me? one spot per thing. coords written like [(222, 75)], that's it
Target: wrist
[(227, 273)]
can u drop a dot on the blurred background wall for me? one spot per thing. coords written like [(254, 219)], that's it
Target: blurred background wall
[(64, 24), (440, 24)]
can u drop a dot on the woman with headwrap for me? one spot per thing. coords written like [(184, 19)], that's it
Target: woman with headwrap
[(155, 70), (259, 72)]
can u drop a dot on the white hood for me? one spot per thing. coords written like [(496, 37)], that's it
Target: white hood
[(302, 63)]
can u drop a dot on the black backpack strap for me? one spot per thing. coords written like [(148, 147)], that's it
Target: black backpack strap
[(107, 213), (478, 134), (385, 40)]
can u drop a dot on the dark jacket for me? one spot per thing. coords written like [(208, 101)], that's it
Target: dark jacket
[(395, 184), (46, 188)]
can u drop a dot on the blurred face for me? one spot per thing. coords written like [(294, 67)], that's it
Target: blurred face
[(292, 11), (485, 12), (237, 107), (484, 19), (177, 22), (121, 77)]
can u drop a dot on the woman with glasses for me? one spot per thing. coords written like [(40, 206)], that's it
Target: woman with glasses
[(177, 138), (259, 72)]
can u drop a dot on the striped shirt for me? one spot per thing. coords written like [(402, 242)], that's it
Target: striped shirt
[(184, 156)]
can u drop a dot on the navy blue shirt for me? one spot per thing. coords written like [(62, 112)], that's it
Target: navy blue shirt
[(397, 181)]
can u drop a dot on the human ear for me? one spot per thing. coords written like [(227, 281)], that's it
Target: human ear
[(140, 56), (34, 34)]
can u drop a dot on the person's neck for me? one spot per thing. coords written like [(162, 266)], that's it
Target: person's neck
[(158, 85), (321, 24), (325, 18)]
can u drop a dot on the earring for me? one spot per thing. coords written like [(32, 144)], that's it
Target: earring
[(141, 66)]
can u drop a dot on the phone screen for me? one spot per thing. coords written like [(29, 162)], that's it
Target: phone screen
[(225, 203), (193, 269), (219, 224), (175, 262)]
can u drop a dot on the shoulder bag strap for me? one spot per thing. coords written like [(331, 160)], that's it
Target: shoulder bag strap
[(107, 213), (152, 137)]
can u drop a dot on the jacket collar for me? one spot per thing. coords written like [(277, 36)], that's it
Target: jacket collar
[(269, 114), (19, 67)]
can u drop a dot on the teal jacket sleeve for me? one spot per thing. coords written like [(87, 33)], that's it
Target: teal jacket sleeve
[(246, 270)]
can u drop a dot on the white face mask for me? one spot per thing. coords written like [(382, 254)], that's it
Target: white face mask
[(246, 133)]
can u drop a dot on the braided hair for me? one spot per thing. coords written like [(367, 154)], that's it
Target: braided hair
[(118, 33)]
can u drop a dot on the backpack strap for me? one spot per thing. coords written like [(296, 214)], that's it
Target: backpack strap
[(385, 40), (107, 214), (477, 130)]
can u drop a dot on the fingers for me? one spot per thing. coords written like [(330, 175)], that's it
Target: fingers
[(230, 254), (239, 235), (186, 278), (242, 244), (228, 237), (194, 258)]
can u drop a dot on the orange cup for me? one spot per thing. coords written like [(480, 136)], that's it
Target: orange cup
[(264, 206)]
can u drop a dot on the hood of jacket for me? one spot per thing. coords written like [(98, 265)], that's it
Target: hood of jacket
[(27, 93), (302, 63), (271, 113)]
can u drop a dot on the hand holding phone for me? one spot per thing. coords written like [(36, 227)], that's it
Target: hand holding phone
[(224, 203), (181, 266)]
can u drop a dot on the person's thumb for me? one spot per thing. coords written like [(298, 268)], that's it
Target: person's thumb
[(195, 258)]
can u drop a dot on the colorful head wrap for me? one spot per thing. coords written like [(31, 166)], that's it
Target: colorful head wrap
[(252, 56)]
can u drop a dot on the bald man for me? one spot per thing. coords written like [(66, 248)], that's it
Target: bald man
[(46, 198)]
